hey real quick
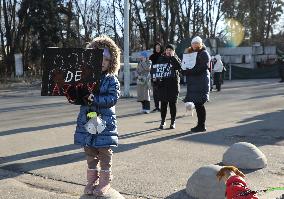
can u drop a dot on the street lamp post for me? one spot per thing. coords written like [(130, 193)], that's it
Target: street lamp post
[(126, 67)]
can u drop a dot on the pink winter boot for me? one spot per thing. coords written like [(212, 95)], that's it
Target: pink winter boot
[(92, 177), (104, 183)]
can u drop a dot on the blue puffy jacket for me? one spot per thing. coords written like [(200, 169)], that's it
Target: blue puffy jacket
[(104, 104)]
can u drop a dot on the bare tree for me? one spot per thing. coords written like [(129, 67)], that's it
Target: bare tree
[(87, 10), (9, 33)]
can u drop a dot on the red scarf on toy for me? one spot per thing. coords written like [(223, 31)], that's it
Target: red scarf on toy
[(236, 188)]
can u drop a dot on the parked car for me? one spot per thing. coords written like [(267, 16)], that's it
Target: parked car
[(133, 74)]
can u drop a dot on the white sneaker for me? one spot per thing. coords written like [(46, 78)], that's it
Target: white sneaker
[(147, 111)]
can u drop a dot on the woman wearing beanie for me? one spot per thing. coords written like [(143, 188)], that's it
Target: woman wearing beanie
[(198, 81), (167, 71)]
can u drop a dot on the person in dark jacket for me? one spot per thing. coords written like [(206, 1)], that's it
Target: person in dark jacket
[(96, 129), (281, 68), (158, 49), (198, 81), (166, 70)]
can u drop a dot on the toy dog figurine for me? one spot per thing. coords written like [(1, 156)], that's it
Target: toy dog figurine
[(236, 187), (189, 106)]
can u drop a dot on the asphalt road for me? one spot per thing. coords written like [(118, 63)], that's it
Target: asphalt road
[(38, 158)]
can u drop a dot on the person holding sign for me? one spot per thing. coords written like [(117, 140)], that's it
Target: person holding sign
[(166, 70), (143, 82), (96, 129), (195, 66), (157, 52)]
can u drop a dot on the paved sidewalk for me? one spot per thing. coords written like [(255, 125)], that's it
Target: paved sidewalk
[(38, 158)]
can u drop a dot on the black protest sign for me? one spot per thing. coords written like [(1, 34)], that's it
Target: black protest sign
[(65, 67), (161, 70)]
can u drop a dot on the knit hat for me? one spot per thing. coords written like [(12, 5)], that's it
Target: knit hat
[(144, 54), (171, 46), (196, 39)]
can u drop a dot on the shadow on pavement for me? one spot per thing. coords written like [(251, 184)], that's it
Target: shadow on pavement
[(264, 96), (138, 133), (129, 115), (266, 129), (179, 195), (31, 107), (38, 153), (49, 126), (35, 128), (87, 197), (43, 163), (131, 146)]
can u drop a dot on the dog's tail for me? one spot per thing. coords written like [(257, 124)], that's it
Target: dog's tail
[(227, 169)]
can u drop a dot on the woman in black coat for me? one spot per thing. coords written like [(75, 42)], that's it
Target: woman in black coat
[(157, 52), (166, 70), (198, 81)]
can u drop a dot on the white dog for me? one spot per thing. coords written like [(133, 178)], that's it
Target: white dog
[(189, 106)]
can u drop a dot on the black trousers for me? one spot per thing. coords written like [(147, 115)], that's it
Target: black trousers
[(218, 80), (155, 96), (173, 111), (201, 114), (145, 105)]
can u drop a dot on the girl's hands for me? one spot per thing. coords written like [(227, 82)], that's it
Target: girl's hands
[(91, 98)]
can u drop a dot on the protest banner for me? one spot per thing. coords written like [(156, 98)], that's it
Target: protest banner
[(188, 60), (65, 67)]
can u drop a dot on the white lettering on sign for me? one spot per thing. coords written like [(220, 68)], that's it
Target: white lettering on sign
[(78, 76), (162, 70), (70, 75)]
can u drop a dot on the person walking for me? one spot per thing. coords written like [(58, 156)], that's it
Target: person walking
[(198, 81), (158, 50), (143, 82), (218, 68), (96, 129), (167, 71)]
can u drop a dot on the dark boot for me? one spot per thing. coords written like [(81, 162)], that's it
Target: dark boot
[(199, 128), (201, 117)]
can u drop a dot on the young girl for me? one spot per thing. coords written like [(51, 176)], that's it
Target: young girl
[(97, 145)]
